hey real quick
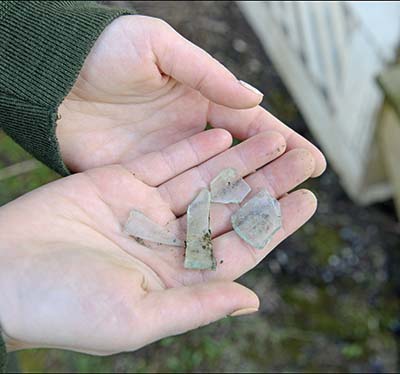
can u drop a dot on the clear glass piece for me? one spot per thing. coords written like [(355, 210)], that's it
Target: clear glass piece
[(142, 227), (199, 250), (258, 220), (228, 187)]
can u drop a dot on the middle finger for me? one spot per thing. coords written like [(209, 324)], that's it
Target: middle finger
[(245, 158), (278, 178)]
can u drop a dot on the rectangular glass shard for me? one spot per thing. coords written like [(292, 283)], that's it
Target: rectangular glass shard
[(258, 220), (199, 250), (228, 187), (142, 227)]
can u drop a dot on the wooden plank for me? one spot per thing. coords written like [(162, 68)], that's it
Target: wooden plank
[(312, 105), (361, 99), (291, 24), (309, 47), (18, 169), (346, 135), (390, 147), (380, 23), (366, 120), (340, 46), (324, 30), (389, 81), (274, 10)]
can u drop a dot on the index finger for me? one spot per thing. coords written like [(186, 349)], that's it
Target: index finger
[(191, 65), (243, 124)]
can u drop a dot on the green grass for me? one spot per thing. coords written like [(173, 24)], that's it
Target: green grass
[(11, 188)]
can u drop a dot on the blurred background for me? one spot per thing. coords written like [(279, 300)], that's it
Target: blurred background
[(330, 293)]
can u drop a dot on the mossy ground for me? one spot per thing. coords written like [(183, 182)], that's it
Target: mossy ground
[(328, 294)]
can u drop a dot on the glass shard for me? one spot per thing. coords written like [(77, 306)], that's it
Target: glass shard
[(142, 227), (258, 220), (199, 250), (228, 187)]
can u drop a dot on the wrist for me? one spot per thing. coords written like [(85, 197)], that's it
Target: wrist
[(8, 282)]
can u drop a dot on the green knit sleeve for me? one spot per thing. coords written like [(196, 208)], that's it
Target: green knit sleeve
[(43, 45)]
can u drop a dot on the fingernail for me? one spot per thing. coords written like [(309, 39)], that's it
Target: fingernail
[(251, 88), (242, 312)]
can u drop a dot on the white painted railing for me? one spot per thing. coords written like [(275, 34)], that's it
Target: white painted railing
[(329, 54)]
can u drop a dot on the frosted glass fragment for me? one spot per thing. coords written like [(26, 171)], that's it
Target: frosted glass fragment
[(199, 250), (142, 227), (228, 187), (258, 220)]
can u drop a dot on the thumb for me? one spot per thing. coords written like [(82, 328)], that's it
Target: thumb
[(191, 65), (177, 310)]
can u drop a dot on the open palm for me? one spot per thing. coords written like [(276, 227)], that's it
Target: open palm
[(71, 278), (144, 87)]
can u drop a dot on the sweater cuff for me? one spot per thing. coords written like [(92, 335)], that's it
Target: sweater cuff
[(43, 47)]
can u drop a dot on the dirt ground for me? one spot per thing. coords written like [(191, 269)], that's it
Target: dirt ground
[(329, 293)]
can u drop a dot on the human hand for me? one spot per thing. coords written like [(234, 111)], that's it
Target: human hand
[(71, 278), (144, 87)]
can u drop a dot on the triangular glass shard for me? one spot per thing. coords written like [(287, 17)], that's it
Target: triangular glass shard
[(199, 250), (140, 226), (258, 220), (228, 187)]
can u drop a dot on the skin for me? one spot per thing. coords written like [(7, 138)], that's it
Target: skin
[(144, 87), (69, 276)]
